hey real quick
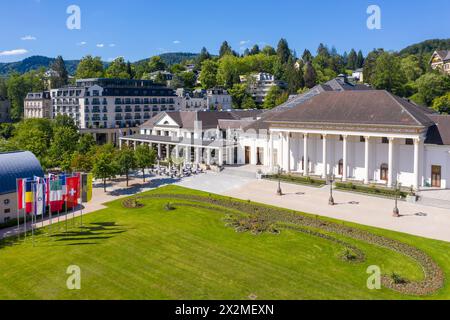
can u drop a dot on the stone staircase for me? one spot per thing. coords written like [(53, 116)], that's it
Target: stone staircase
[(239, 172), (437, 198)]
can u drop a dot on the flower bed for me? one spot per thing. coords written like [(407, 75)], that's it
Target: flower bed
[(370, 190)]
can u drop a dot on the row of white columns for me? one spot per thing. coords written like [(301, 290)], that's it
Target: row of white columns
[(284, 156), (187, 152)]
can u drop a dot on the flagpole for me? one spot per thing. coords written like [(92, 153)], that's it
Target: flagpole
[(18, 214), (33, 211), (66, 211)]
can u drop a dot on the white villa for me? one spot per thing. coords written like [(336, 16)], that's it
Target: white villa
[(356, 133)]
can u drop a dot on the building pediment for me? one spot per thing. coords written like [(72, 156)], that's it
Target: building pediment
[(167, 121)]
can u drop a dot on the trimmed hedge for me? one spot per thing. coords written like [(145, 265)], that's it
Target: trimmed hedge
[(296, 179), (370, 189)]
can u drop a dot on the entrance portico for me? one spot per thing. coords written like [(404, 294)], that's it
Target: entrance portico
[(351, 155)]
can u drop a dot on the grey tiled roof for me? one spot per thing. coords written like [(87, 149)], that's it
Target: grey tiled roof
[(209, 119), (377, 107), (439, 133)]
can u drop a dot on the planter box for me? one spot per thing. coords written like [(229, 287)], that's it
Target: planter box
[(412, 199), (216, 169)]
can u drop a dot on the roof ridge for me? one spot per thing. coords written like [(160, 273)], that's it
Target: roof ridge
[(393, 97)]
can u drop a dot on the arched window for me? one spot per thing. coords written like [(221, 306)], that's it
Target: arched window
[(341, 167), (384, 170)]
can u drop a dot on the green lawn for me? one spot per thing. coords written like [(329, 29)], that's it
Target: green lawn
[(189, 253)]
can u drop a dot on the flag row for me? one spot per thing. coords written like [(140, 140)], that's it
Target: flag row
[(55, 192)]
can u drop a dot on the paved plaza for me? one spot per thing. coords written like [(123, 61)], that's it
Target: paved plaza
[(427, 221)]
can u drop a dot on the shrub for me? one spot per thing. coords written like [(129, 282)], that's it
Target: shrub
[(398, 279), (372, 189), (296, 179), (169, 207)]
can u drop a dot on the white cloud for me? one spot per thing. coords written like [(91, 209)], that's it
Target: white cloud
[(112, 45), (176, 42), (28, 38), (244, 42), (100, 45), (14, 52), (82, 43)]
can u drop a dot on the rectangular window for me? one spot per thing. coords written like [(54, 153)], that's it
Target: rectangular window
[(384, 140), (362, 139), (409, 142)]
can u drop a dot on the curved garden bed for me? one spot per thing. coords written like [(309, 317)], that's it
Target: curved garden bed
[(264, 218)]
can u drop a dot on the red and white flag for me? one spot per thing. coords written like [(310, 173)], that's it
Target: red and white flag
[(73, 191)]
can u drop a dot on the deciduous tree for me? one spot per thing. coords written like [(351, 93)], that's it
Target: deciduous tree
[(145, 157)]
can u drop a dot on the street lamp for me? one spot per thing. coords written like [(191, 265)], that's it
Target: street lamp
[(396, 211), (279, 191), (331, 179)]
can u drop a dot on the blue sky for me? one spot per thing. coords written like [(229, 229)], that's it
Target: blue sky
[(137, 29)]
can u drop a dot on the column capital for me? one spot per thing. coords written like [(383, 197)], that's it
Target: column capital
[(391, 139), (367, 138), (417, 141), (305, 135)]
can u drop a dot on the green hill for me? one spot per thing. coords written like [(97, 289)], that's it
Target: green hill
[(34, 63), (37, 62), (427, 47)]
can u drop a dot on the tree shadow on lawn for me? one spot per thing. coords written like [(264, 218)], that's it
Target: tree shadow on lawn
[(139, 187)]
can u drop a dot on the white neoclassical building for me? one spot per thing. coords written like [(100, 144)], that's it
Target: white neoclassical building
[(366, 136), (38, 105), (355, 133), (209, 137)]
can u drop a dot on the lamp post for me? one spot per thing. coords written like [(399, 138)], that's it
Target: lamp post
[(279, 191), (331, 179), (396, 211)]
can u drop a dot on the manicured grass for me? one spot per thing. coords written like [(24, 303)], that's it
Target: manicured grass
[(189, 253)]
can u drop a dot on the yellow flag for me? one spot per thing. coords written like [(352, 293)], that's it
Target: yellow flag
[(89, 187)]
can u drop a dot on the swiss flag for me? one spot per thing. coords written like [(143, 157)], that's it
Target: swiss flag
[(73, 191)]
